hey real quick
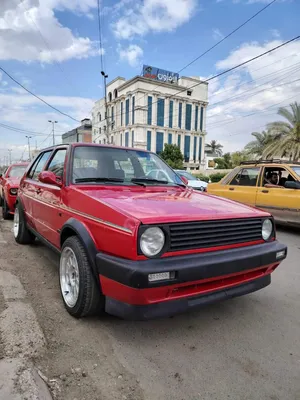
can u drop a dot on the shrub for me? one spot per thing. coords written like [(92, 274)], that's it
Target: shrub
[(202, 177), (217, 177)]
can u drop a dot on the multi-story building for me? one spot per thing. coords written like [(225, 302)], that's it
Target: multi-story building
[(82, 133), (145, 113)]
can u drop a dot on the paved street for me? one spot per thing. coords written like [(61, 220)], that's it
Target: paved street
[(243, 349)]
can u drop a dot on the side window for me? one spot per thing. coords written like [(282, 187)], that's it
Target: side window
[(246, 177), (39, 165), (276, 176), (57, 163)]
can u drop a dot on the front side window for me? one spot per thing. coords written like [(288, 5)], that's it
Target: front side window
[(17, 171), (39, 165), (297, 170), (112, 166), (276, 176), (246, 177), (57, 163)]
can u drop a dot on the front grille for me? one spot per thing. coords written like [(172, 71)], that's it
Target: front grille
[(205, 234)]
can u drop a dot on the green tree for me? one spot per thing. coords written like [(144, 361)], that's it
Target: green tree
[(238, 157), (215, 148), (224, 162), (286, 134), (256, 147), (172, 156)]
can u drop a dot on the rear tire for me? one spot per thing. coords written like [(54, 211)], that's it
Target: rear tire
[(5, 210), (22, 234), (81, 293)]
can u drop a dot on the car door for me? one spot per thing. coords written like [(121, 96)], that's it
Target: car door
[(48, 215), (2, 183), (282, 203), (243, 186), (30, 187)]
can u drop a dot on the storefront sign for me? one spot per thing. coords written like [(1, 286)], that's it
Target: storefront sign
[(160, 74)]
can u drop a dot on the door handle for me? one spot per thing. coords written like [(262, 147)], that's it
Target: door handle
[(38, 191), (231, 188), (265, 191)]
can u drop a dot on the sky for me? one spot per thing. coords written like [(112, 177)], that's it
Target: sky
[(52, 48)]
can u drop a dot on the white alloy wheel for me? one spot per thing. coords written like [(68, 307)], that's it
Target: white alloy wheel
[(16, 222), (69, 276)]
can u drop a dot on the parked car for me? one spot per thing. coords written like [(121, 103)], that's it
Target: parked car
[(9, 183), (135, 246), (273, 186), (193, 182)]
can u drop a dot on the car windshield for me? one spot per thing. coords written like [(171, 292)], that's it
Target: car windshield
[(188, 176), (114, 166), (297, 170), (17, 171)]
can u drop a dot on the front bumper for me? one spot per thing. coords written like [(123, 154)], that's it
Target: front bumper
[(199, 279)]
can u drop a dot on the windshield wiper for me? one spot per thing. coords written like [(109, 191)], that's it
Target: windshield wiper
[(99, 180), (148, 180)]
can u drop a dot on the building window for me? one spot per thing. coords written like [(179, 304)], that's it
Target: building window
[(159, 142), (149, 140), (104, 141), (187, 145), (200, 149), (189, 92), (127, 112), (160, 112), (95, 132), (109, 96), (201, 119), (179, 114), (126, 139), (115, 93), (133, 109), (195, 148), (188, 117), (121, 144), (99, 117), (121, 113), (132, 138), (170, 138), (179, 141), (112, 115), (196, 118), (100, 131), (171, 114), (149, 117)]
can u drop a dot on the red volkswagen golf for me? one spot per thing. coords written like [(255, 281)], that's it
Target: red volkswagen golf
[(135, 246)]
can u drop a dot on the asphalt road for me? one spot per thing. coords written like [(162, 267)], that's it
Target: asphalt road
[(247, 348)]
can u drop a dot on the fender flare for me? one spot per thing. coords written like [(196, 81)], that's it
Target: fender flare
[(88, 243)]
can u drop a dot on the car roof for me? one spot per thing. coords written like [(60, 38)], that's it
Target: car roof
[(83, 144)]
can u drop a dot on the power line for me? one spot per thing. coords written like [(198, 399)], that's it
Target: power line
[(36, 96), (19, 130)]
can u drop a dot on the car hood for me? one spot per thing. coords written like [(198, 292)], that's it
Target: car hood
[(159, 205), (197, 184)]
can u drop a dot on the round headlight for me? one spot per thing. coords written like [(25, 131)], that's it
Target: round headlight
[(13, 191), (152, 241), (267, 229)]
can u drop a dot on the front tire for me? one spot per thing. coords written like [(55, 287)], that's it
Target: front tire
[(80, 292), (22, 234), (5, 210)]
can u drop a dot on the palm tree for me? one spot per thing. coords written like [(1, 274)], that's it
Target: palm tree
[(215, 148), (256, 147), (286, 134)]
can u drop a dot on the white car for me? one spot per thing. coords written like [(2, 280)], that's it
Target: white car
[(193, 182)]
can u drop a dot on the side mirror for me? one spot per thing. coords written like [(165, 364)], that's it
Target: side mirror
[(292, 185), (184, 180), (50, 178)]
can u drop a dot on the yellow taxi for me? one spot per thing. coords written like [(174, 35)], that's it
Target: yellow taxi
[(272, 185)]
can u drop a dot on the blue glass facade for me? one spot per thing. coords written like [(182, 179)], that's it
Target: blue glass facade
[(133, 109), (121, 140), (187, 146), (127, 112), (159, 142), (195, 148), (132, 144), (149, 140), (122, 114), (126, 139), (196, 117), (200, 148), (179, 114), (170, 138), (149, 117), (188, 117), (179, 141), (171, 114), (201, 119), (160, 112)]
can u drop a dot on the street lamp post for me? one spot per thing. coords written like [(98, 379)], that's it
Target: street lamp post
[(9, 150), (105, 99), (53, 122), (28, 139)]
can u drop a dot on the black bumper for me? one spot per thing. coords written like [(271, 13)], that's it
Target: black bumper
[(173, 307), (191, 267)]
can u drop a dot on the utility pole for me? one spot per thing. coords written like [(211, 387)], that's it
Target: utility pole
[(53, 122), (28, 139), (105, 99), (9, 150)]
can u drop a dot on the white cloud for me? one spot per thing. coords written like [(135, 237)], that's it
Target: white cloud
[(140, 18), (261, 87), (131, 54), (29, 31), (217, 34)]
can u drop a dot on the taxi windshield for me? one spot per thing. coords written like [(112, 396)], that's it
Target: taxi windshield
[(297, 170)]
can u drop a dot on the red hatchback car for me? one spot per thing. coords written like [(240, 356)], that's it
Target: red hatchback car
[(9, 184), (138, 247)]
